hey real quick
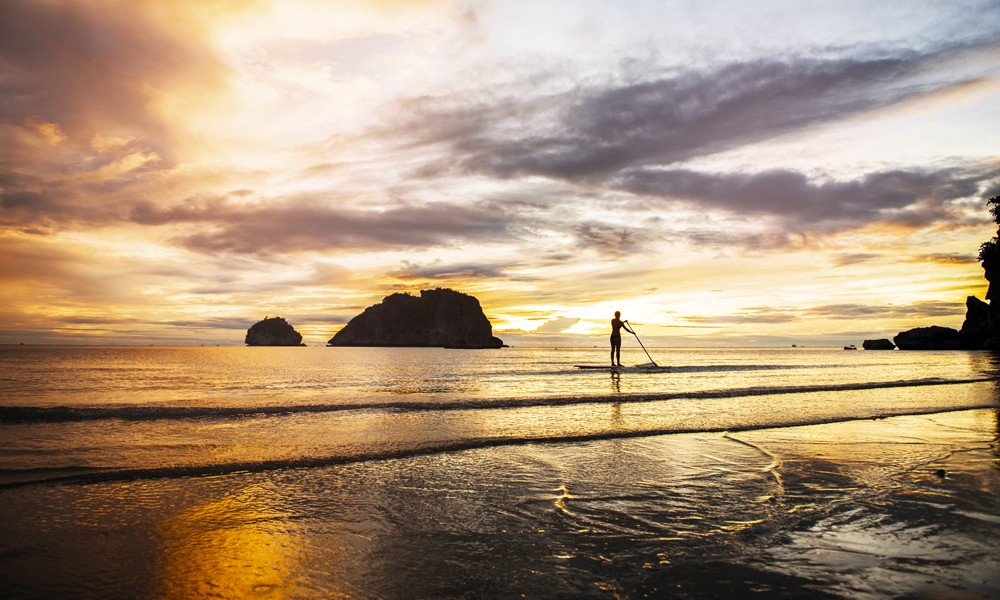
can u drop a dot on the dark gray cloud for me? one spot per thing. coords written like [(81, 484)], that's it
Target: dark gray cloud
[(240, 288), (207, 323), (757, 315), (593, 131), (912, 198), (221, 323), (291, 225), (27, 201), (846, 312), (323, 274), (917, 310), (607, 239), (842, 260), (458, 271), (763, 241)]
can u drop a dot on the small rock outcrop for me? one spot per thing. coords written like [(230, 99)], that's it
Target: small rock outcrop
[(882, 344), (437, 318), (273, 331), (929, 338)]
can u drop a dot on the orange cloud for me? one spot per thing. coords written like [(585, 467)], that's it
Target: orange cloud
[(50, 132)]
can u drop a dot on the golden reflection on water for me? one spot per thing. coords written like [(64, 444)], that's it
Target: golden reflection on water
[(616, 382), (227, 548)]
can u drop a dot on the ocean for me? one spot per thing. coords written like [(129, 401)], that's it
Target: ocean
[(311, 472)]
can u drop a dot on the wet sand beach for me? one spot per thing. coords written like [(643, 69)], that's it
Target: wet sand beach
[(898, 508), (846, 510)]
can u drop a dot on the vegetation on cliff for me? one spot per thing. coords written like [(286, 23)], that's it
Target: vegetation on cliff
[(989, 251), (989, 254), (981, 329)]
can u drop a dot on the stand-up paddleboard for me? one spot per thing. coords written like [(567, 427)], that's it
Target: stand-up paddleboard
[(647, 366)]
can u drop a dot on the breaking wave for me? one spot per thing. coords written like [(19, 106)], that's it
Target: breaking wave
[(22, 414)]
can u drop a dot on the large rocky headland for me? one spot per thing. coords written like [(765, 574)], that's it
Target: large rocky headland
[(981, 329), (437, 318)]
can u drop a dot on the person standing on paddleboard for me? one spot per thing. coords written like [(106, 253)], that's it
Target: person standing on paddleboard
[(616, 337)]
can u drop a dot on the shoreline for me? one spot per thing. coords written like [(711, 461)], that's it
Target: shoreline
[(843, 510), (505, 435)]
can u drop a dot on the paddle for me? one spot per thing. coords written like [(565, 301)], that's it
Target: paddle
[(643, 347)]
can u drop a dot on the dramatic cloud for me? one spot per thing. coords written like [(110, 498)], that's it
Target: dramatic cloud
[(591, 131), (840, 312), (759, 315), (188, 166), (909, 198), (316, 225), (917, 310), (111, 68), (606, 239), (458, 272)]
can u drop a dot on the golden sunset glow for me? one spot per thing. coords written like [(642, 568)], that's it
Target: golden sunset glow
[(722, 173)]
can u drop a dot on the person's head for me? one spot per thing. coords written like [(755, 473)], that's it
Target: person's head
[(618, 314)]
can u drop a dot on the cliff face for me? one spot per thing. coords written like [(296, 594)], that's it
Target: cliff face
[(438, 318), (981, 329), (273, 331), (991, 266), (977, 332)]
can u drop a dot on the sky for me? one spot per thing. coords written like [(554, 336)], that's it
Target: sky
[(725, 173)]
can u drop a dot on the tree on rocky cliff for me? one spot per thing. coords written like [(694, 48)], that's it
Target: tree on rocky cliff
[(989, 251), (981, 329), (989, 254)]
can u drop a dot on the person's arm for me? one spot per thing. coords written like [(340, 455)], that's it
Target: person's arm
[(627, 327)]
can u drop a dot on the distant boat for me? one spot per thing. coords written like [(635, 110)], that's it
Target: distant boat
[(851, 347)]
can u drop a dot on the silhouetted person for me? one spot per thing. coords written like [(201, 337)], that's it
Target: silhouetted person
[(616, 337)]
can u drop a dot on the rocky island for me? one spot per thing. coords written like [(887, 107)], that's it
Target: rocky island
[(437, 318), (878, 345), (273, 331)]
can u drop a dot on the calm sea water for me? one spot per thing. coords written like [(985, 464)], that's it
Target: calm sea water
[(408, 473)]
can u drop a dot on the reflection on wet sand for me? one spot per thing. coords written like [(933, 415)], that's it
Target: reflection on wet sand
[(890, 506), (230, 547)]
